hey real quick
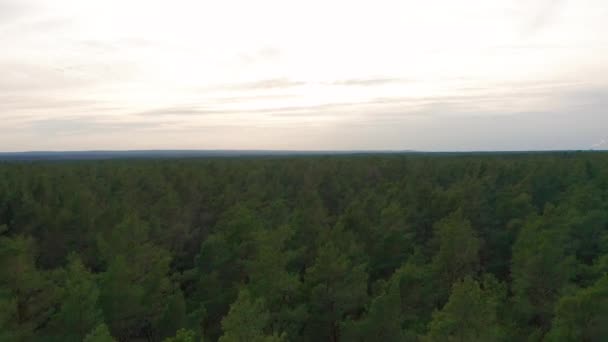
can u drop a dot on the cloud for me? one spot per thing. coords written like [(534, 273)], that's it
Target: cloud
[(83, 66), (11, 10), (543, 16), (369, 81), (262, 55), (272, 83), (98, 45), (14, 103), (425, 123), (486, 100), (284, 83), (199, 111), (81, 125), (25, 78), (251, 98), (603, 142), (180, 111)]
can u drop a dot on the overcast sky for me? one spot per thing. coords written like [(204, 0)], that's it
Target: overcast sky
[(303, 75)]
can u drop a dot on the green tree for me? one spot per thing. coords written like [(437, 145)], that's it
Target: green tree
[(582, 316), (383, 320), (247, 321), (182, 335), (27, 296), (470, 313), (79, 312), (541, 269), (391, 241), (458, 254), (270, 280), (221, 266), (99, 334), (418, 293), (8, 310), (174, 316), (136, 291), (337, 287), (121, 299)]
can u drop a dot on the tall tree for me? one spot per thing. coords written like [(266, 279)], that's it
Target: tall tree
[(337, 288), (182, 335), (471, 313), (28, 297), (79, 312), (418, 293), (99, 334), (383, 320), (458, 254), (221, 266), (135, 290), (582, 316), (270, 279), (541, 269), (247, 321)]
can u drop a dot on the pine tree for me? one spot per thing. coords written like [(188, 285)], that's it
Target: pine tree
[(99, 334), (337, 288), (471, 313), (121, 299), (582, 316), (270, 280), (135, 289), (27, 296), (247, 321), (541, 269), (79, 312), (182, 335), (383, 320), (458, 254)]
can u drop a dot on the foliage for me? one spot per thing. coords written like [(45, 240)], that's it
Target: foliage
[(99, 334), (247, 320), (432, 247), (582, 316), (471, 313)]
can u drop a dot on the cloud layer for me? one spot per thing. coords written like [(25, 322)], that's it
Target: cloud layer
[(381, 74)]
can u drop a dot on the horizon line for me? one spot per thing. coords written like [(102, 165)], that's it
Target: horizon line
[(300, 150)]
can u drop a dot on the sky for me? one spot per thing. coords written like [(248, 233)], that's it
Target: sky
[(303, 75)]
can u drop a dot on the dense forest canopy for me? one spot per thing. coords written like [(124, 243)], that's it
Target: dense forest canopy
[(337, 248)]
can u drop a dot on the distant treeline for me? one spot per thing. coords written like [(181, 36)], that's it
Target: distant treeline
[(177, 154), (483, 247), (168, 154)]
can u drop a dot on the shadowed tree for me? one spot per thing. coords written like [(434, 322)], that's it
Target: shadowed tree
[(135, 290), (182, 335), (270, 280), (458, 254), (27, 296), (99, 334), (79, 312), (247, 321), (540, 269), (383, 320), (582, 316), (471, 313), (337, 287)]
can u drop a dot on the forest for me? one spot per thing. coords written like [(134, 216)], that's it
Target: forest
[(403, 247)]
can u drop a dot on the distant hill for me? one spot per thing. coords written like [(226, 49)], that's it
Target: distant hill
[(172, 154), (163, 154)]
